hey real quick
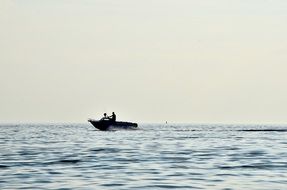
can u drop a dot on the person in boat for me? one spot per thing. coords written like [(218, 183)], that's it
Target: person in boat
[(113, 117), (105, 117)]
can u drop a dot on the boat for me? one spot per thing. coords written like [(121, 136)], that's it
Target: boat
[(105, 125)]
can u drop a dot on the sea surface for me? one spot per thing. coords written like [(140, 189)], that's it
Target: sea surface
[(156, 156)]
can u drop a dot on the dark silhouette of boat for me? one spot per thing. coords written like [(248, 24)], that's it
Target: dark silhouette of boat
[(104, 125)]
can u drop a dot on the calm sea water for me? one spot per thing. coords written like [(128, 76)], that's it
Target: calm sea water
[(191, 156)]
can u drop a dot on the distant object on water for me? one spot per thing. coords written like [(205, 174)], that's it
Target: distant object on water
[(110, 122)]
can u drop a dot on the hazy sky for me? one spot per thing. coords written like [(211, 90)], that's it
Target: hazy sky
[(148, 60)]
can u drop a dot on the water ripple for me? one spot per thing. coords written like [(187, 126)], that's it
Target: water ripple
[(75, 156)]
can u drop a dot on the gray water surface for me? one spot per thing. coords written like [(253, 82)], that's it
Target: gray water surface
[(190, 156)]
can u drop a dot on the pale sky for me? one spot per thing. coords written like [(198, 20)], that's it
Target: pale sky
[(207, 61)]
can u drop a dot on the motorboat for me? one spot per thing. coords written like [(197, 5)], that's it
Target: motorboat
[(106, 124)]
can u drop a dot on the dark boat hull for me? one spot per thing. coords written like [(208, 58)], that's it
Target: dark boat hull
[(104, 125)]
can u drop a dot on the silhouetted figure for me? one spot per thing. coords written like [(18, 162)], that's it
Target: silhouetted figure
[(113, 117), (105, 117)]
